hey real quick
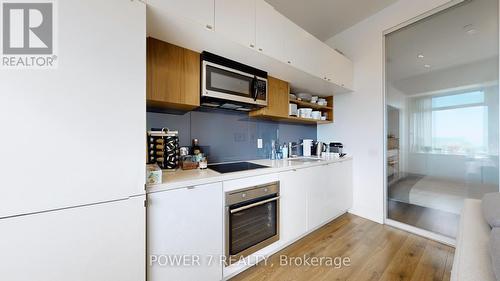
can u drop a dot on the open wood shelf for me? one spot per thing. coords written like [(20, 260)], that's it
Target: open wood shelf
[(311, 105), (277, 108), (306, 120)]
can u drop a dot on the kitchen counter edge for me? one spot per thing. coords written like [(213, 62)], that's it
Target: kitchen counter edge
[(186, 178)]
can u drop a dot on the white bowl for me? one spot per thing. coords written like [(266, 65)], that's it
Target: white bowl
[(304, 96), (316, 115)]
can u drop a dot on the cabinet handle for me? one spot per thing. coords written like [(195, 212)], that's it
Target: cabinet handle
[(289, 62), (252, 45), (260, 49), (209, 26), (190, 187), (253, 205)]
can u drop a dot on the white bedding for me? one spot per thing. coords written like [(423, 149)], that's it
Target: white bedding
[(445, 194)]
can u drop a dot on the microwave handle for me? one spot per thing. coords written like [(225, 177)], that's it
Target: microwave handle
[(255, 89)]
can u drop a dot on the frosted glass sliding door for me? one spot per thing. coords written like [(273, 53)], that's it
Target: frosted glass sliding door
[(442, 115)]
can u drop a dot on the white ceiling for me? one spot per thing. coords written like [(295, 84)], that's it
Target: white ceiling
[(325, 18), (444, 41)]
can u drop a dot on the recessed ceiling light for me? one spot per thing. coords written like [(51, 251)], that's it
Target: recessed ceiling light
[(427, 65), (420, 56)]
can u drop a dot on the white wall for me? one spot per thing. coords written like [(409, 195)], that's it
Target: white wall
[(359, 115)]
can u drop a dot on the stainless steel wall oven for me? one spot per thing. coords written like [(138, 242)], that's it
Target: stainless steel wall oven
[(252, 220)]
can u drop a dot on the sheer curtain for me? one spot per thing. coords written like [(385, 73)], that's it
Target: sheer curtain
[(420, 127)]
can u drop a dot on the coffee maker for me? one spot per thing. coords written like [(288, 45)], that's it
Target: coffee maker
[(336, 147)]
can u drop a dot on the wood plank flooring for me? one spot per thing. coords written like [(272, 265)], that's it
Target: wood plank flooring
[(434, 220), (376, 252)]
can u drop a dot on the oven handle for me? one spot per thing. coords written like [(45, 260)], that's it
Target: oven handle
[(254, 205)]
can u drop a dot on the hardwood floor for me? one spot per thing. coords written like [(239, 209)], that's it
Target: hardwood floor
[(434, 220), (376, 252)]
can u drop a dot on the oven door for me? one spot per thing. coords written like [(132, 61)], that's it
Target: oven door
[(224, 83), (251, 226)]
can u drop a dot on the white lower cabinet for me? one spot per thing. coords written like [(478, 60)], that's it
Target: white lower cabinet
[(341, 176), (184, 225), (99, 242), (320, 197), (293, 209), (312, 196)]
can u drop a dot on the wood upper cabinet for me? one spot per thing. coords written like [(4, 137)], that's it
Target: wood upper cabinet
[(173, 76), (277, 100)]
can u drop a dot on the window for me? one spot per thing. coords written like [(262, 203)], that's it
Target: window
[(452, 124)]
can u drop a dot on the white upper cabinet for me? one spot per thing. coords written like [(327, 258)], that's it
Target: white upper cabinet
[(236, 20), (256, 25), (270, 31), (200, 11), (296, 46)]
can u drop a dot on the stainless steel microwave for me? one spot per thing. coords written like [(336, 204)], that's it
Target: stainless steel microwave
[(229, 84)]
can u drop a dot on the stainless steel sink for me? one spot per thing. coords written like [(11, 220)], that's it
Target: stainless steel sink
[(305, 159)]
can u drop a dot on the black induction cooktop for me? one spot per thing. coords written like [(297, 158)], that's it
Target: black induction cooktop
[(235, 167)]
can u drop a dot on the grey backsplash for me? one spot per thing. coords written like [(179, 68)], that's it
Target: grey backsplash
[(229, 135)]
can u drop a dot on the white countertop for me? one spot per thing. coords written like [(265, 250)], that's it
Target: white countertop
[(185, 178)]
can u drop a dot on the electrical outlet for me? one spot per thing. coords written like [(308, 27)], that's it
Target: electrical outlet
[(259, 143)]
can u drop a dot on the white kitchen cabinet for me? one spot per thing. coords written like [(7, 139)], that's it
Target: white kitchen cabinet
[(199, 11), (331, 193), (343, 72), (270, 31), (293, 203), (97, 242), (74, 158), (186, 221), (297, 47), (341, 176), (236, 20), (319, 198)]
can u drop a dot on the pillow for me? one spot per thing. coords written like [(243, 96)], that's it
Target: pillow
[(495, 251), (491, 208)]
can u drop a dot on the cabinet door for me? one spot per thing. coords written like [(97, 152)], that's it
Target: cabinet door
[(236, 20), (296, 46), (270, 31), (173, 76), (293, 200), (320, 197), (342, 71), (98, 242), (186, 221), (277, 99), (200, 11), (342, 176), (87, 144)]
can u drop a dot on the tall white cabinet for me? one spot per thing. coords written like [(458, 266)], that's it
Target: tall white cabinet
[(72, 185), (99, 242)]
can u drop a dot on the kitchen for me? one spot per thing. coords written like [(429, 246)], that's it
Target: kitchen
[(274, 181), (239, 140)]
